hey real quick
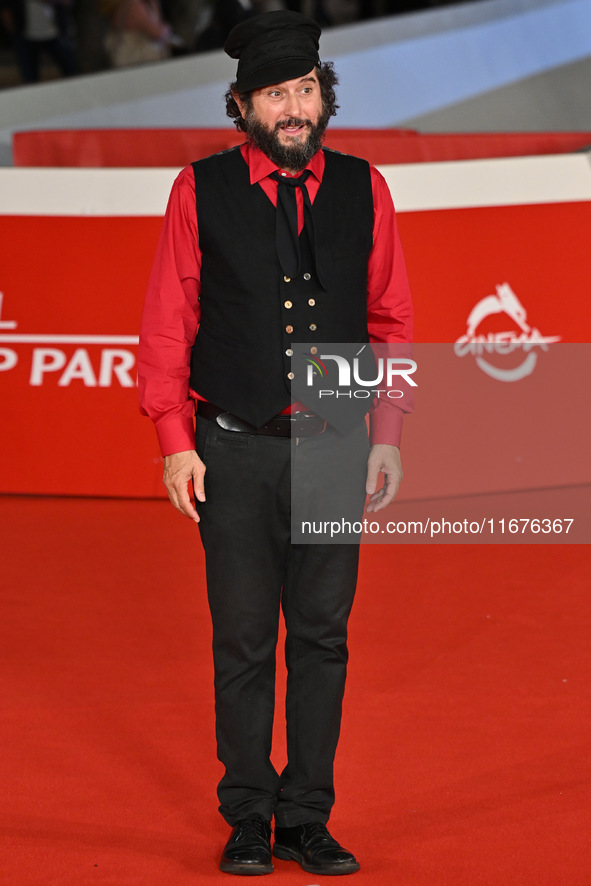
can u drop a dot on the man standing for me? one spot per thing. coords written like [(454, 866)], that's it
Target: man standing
[(274, 242)]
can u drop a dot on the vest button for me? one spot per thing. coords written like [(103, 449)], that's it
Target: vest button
[(311, 302), (287, 279), (291, 375), (313, 327), (314, 350), (289, 329), (307, 276), (287, 304)]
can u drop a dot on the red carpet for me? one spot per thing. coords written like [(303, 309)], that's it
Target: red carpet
[(464, 757)]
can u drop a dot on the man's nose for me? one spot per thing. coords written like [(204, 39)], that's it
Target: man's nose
[(293, 106)]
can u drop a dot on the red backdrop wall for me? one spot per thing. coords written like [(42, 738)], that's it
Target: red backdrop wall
[(70, 422)]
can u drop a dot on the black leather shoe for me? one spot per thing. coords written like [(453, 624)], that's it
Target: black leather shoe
[(248, 851), (316, 851)]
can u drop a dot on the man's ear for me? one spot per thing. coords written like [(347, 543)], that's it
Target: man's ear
[(238, 101)]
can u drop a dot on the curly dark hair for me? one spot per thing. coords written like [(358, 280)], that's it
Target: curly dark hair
[(327, 78)]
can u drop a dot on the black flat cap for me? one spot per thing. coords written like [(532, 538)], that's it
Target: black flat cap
[(273, 47)]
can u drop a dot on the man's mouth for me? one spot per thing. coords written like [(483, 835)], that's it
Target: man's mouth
[(293, 127)]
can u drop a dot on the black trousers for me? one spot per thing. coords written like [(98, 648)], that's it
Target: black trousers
[(254, 572)]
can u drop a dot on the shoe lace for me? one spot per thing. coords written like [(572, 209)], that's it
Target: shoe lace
[(317, 832), (255, 827)]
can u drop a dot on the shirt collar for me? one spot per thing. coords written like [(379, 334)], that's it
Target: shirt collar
[(260, 166)]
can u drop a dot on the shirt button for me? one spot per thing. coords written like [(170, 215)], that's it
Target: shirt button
[(311, 302), (307, 276), (284, 174), (314, 350), (291, 375), (287, 279), (289, 352), (289, 329), (287, 304), (313, 327)]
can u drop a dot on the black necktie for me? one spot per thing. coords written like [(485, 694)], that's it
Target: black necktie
[(286, 230)]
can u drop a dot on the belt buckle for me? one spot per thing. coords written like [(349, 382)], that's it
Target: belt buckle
[(229, 422), (302, 418)]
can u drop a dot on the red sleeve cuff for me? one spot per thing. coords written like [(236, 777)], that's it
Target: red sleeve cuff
[(176, 433), (385, 424)]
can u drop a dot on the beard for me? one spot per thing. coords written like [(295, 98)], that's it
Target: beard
[(293, 155)]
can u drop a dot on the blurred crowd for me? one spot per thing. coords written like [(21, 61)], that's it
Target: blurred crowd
[(44, 39)]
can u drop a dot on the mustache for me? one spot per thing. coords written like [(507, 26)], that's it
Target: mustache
[(292, 121)]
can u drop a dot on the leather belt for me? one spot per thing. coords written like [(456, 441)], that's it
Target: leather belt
[(297, 424)]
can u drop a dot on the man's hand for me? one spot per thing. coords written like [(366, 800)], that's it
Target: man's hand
[(382, 459), (179, 469)]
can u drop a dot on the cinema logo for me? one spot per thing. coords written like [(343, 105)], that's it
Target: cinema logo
[(516, 347), (67, 358)]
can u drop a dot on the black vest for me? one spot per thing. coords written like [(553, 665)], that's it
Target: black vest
[(250, 313)]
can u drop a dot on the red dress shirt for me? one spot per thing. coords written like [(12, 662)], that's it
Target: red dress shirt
[(171, 312)]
